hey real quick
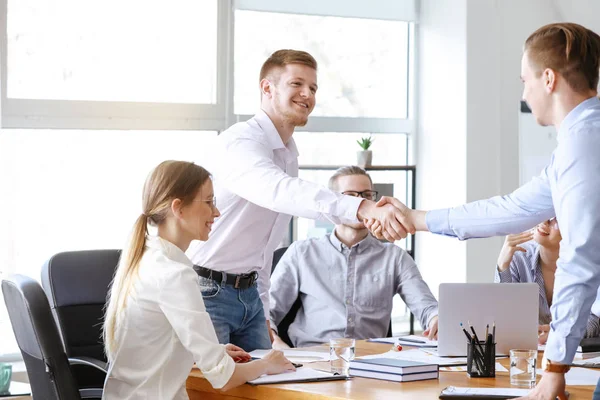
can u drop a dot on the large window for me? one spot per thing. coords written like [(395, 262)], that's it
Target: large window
[(362, 63), (91, 50), (94, 94)]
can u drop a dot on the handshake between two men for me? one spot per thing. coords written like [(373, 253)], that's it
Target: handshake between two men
[(390, 219)]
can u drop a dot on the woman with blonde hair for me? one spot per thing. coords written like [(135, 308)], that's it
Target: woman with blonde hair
[(156, 325)]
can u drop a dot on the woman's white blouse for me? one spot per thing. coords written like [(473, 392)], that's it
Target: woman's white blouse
[(163, 330)]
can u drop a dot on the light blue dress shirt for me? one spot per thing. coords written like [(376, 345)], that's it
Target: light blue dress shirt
[(568, 188)]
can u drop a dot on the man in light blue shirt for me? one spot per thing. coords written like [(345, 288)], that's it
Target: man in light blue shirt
[(559, 71)]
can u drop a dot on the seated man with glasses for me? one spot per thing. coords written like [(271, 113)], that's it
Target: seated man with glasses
[(347, 280)]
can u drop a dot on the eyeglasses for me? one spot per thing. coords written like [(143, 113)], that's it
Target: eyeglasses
[(212, 202), (366, 194)]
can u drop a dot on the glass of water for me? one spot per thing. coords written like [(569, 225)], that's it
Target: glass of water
[(341, 352), (522, 367)]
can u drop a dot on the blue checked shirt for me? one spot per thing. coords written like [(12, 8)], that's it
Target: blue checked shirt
[(527, 267), (568, 188)]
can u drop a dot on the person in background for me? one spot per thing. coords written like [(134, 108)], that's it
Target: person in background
[(156, 325), (531, 257), (347, 278)]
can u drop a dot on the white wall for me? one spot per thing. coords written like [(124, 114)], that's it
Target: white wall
[(441, 144), (468, 133)]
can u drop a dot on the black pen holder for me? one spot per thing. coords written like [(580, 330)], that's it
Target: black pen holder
[(481, 360)]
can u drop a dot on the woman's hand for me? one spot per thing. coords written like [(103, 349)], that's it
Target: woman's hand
[(237, 353), (511, 246), (277, 363)]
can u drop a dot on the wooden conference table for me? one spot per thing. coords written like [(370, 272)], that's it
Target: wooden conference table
[(359, 388)]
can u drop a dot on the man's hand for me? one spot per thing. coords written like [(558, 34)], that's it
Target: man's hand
[(278, 343), (551, 386), (432, 330), (393, 219), (543, 331), (237, 353), (413, 218), (511, 246), (270, 331)]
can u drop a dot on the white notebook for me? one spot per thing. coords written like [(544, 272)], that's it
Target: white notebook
[(302, 374)]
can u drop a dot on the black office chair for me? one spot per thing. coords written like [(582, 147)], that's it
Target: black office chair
[(48, 367), (76, 284), (283, 326)]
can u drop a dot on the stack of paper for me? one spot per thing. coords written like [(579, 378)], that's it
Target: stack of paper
[(419, 356)]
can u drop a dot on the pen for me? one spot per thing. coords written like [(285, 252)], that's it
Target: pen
[(411, 340), (494, 332), (465, 331), (476, 339), (487, 328)]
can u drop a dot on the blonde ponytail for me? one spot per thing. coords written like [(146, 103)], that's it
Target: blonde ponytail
[(123, 281)]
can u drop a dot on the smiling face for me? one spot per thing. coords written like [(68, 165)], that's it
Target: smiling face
[(547, 234), (292, 93), (198, 216)]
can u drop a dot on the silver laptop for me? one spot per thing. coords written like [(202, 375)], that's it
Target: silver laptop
[(513, 306)]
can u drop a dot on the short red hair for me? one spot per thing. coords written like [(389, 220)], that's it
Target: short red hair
[(569, 49)]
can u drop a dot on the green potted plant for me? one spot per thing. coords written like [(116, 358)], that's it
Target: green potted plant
[(365, 156)]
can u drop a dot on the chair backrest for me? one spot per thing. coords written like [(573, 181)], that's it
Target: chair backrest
[(38, 339), (76, 284), (283, 326)]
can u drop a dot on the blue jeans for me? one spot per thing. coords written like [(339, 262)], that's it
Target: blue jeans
[(237, 314), (597, 392)]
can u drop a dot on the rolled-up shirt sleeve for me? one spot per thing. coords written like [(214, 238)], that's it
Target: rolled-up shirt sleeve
[(181, 301)]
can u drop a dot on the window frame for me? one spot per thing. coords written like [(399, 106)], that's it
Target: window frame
[(115, 115)]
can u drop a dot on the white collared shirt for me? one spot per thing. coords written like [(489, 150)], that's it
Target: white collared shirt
[(163, 329), (257, 191)]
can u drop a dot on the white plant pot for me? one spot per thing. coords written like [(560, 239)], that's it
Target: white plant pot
[(364, 158)]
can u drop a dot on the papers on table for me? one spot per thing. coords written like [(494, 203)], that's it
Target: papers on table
[(296, 356), (588, 363), (452, 391), (411, 340), (302, 374), (419, 356), (463, 368), (579, 376)]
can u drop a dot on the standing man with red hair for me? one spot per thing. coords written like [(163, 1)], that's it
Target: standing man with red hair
[(255, 168)]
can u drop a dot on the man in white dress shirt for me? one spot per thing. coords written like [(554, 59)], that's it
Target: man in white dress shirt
[(255, 169)]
